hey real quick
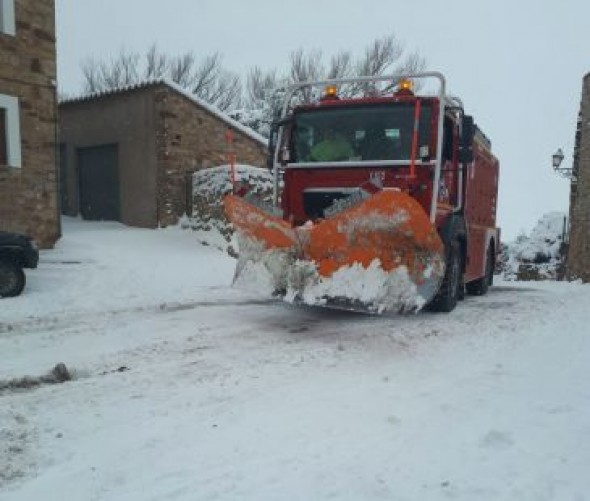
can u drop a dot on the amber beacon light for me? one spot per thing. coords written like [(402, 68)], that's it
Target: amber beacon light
[(331, 91), (405, 86)]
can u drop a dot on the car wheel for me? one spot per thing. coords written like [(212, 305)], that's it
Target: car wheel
[(12, 278)]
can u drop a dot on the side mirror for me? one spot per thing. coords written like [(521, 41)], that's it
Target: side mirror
[(467, 133), (285, 155), (282, 122), (466, 155), (273, 139)]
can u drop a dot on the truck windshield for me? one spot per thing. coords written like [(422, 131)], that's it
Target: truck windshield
[(359, 133)]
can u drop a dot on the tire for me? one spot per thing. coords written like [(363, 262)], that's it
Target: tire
[(12, 279), (461, 291), (480, 286), (450, 290)]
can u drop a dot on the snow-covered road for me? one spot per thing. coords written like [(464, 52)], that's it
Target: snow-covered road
[(224, 396)]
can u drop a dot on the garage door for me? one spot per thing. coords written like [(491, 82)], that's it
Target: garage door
[(98, 170)]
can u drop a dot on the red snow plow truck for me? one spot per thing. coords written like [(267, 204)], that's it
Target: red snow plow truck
[(384, 199)]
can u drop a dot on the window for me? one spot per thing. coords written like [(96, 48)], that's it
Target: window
[(7, 23), (3, 148), (359, 133), (10, 149)]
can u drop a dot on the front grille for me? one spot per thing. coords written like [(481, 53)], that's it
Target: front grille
[(315, 202)]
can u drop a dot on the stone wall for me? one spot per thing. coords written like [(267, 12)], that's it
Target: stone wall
[(190, 138), (28, 195), (578, 259)]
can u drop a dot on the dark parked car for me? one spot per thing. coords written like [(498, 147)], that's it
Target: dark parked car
[(16, 252)]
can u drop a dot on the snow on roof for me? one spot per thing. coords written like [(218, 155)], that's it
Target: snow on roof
[(177, 88), (101, 93)]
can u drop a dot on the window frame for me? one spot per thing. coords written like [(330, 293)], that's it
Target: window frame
[(7, 18), (10, 105)]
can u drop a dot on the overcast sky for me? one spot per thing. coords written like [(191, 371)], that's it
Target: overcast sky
[(517, 64)]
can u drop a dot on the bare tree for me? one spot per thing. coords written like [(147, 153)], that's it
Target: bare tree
[(205, 79), (259, 85), (91, 73), (260, 101), (381, 57), (129, 63), (225, 91), (206, 74), (104, 75), (413, 63), (181, 70), (341, 65), (306, 67), (157, 64), (256, 104), (121, 71)]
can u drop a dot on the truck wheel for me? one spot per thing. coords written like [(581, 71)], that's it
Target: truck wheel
[(12, 279), (461, 289), (480, 286), (448, 295)]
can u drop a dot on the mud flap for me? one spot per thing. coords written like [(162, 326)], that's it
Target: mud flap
[(380, 255)]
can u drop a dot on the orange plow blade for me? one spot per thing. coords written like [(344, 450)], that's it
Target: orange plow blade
[(255, 223), (267, 246), (382, 254)]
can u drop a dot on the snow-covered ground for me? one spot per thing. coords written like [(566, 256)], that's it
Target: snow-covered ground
[(225, 396)]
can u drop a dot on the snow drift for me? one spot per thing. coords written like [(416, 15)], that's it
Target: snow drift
[(209, 188), (537, 256)]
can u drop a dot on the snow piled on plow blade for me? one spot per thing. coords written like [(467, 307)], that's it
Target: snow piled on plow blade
[(358, 288), (354, 287), (381, 255)]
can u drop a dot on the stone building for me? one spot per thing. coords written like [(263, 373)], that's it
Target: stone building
[(28, 166), (129, 155), (578, 258)]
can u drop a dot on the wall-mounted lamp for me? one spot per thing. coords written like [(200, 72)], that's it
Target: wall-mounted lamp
[(557, 159)]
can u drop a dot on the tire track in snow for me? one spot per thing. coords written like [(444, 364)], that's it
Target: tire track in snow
[(56, 322)]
